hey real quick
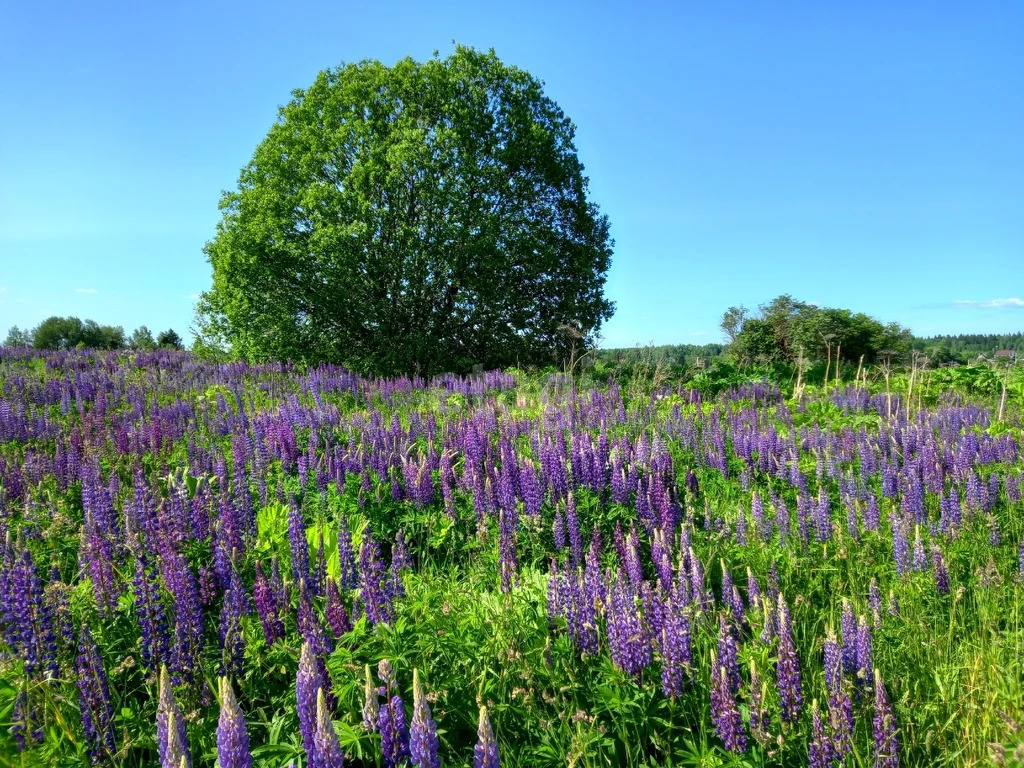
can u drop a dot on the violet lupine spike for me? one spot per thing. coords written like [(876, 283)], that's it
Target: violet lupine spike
[(485, 752), (819, 746), (297, 542), (152, 614), (940, 570), (833, 661), (394, 733), (335, 613), (94, 699), (171, 734), (848, 626), (675, 648), (267, 607), (372, 574), (724, 713), (177, 754), (508, 560), (728, 653), (423, 741), (347, 574), (326, 748), (875, 602), (308, 682), (788, 668), (232, 736), (886, 743)]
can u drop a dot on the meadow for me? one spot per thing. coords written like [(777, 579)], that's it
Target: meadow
[(259, 565)]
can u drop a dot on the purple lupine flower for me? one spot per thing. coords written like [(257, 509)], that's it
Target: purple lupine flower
[(940, 570), (788, 668), (674, 647), (297, 542), (819, 747), (326, 749), (347, 575), (724, 712), (267, 607), (371, 582), (848, 626), (485, 753), (334, 612), (29, 619), (558, 531), (94, 699), (728, 653), (423, 730), (632, 562), (23, 723), (508, 560), (920, 558), (310, 627), (188, 619), (753, 590), (875, 602), (628, 639), (400, 562), (152, 615), (371, 703), (232, 636), (232, 737), (308, 682), (394, 733), (833, 661), (171, 734), (886, 745)]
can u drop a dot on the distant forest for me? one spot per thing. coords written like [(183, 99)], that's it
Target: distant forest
[(963, 348)]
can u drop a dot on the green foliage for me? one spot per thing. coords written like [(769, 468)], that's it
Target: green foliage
[(18, 338), (142, 340), (71, 332), (786, 330), (418, 218), (169, 339)]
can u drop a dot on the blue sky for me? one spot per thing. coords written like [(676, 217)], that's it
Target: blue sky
[(863, 155)]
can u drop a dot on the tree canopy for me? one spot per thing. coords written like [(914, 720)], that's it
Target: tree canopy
[(785, 329), (73, 332), (418, 218)]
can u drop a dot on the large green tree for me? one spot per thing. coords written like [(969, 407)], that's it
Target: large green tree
[(785, 328), (419, 218)]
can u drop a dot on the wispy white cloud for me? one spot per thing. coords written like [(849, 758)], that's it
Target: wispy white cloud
[(1012, 302), (86, 290)]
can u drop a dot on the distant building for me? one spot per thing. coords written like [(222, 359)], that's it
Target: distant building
[(1004, 354)]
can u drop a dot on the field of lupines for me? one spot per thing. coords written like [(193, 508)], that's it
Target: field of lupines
[(261, 566)]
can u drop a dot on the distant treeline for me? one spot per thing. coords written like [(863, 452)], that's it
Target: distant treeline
[(967, 347), (72, 333), (787, 334)]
